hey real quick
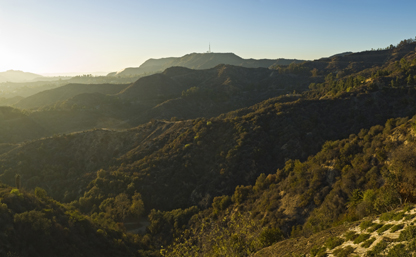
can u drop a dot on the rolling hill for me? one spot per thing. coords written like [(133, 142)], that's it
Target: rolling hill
[(17, 76), (33, 224), (178, 93), (200, 61), (16, 126), (244, 158), (62, 93)]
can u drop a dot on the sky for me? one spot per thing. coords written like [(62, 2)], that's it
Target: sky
[(56, 36)]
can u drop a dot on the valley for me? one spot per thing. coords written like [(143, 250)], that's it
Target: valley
[(217, 155)]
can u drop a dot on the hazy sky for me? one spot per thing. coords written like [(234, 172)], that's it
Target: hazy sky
[(45, 36)]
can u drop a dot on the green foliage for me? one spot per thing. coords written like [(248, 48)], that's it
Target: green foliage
[(396, 228), (399, 250), (35, 219), (355, 199), (241, 193), (399, 216), (16, 192), (366, 224), (171, 165), (52, 228), (409, 216), (368, 242), (121, 207), (166, 225), (293, 68), (361, 238), (408, 207), (384, 228), (270, 235), (221, 202), (388, 198), (333, 242), (408, 234), (136, 208), (377, 249), (351, 235), (412, 245), (190, 91), (375, 227), (40, 193), (343, 252), (387, 216), (118, 207), (234, 235), (318, 251)]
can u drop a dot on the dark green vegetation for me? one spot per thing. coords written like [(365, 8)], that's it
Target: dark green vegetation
[(333, 242), (59, 95), (233, 160), (345, 252), (177, 94), (368, 243), (36, 225)]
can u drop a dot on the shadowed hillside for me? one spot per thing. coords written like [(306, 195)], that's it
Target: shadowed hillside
[(178, 93), (51, 96), (200, 61), (36, 225), (244, 157), (17, 126)]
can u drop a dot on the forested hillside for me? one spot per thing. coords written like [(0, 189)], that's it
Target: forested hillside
[(177, 93), (37, 225), (230, 160), (63, 93)]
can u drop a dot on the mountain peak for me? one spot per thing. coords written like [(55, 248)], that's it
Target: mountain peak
[(199, 61)]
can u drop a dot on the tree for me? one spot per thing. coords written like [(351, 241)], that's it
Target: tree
[(18, 181), (137, 207), (40, 193), (122, 204), (118, 207), (314, 72)]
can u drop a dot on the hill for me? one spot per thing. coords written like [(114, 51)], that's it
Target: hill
[(17, 76), (348, 179), (245, 141), (389, 234), (200, 61), (9, 101), (25, 89), (209, 157), (362, 175), (65, 92), (184, 93), (36, 225), (16, 126), (338, 149), (177, 93)]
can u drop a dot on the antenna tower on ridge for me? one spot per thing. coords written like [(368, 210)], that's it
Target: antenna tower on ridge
[(209, 48)]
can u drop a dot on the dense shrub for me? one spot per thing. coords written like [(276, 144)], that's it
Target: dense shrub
[(333, 242)]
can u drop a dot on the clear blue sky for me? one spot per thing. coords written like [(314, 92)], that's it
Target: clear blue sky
[(45, 36)]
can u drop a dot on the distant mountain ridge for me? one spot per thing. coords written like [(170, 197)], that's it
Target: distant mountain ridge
[(201, 61), (17, 76)]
